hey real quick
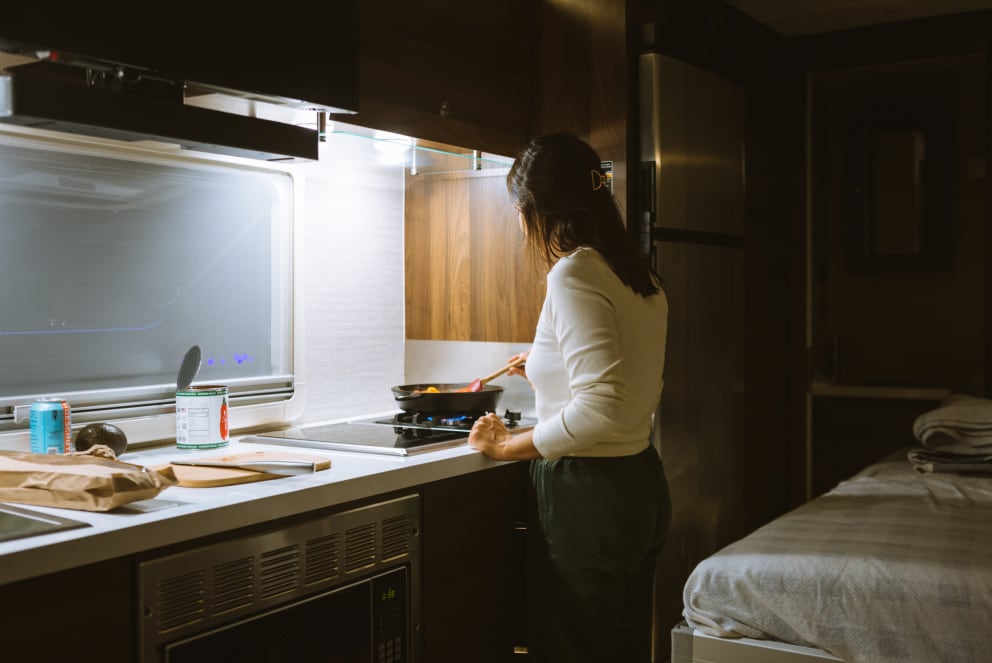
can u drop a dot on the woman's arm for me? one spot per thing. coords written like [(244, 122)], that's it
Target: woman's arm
[(490, 436), (583, 324)]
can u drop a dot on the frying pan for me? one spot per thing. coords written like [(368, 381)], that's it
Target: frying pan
[(412, 398)]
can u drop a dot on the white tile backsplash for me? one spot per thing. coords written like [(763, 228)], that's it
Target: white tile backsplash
[(354, 313), (353, 290)]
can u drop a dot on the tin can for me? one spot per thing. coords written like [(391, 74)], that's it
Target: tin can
[(201, 417), (51, 430)]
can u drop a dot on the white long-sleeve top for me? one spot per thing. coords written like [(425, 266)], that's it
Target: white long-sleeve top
[(597, 361)]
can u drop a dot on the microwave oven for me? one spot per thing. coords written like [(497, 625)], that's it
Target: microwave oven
[(341, 587)]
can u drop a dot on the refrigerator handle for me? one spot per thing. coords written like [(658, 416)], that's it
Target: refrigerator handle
[(648, 215)]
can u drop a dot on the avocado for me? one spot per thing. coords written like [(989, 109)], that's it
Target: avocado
[(101, 433)]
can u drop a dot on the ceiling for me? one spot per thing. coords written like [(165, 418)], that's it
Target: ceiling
[(792, 18)]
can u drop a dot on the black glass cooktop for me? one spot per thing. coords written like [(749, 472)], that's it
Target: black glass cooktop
[(400, 435)]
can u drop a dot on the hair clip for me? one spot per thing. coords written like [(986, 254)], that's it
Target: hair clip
[(597, 180)]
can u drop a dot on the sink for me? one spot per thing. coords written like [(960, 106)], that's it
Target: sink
[(17, 522)]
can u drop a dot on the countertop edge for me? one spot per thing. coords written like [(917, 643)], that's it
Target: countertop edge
[(111, 535)]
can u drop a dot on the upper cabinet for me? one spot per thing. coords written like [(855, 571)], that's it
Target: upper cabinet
[(90, 68), (585, 80), (287, 56), (453, 71)]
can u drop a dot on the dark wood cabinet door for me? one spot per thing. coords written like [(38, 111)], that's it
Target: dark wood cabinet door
[(84, 614), (473, 606), (452, 71), (585, 80)]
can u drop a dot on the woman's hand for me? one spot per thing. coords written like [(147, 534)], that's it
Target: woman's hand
[(518, 370), (488, 435), (491, 436)]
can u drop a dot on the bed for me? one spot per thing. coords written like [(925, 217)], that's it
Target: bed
[(892, 565)]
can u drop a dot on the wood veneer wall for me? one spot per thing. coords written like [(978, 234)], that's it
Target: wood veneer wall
[(940, 37)]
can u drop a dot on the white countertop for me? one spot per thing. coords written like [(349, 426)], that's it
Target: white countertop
[(179, 514)]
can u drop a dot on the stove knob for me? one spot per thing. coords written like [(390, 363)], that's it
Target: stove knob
[(512, 416)]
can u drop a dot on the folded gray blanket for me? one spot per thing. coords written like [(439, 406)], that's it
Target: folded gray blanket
[(961, 426), (925, 461)]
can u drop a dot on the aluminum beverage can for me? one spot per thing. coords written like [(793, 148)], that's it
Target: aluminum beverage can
[(201, 417), (51, 431)]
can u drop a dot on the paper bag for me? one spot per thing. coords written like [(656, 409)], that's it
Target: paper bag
[(76, 481)]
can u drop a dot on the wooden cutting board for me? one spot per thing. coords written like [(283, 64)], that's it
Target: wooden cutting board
[(207, 477)]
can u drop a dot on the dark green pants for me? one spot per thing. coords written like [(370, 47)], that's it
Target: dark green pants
[(596, 530)]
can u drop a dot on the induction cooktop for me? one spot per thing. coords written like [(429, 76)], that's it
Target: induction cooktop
[(399, 435)]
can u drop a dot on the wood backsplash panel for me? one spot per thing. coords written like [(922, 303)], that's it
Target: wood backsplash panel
[(508, 287), (468, 277)]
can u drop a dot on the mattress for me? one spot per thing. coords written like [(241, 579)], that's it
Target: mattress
[(890, 566)]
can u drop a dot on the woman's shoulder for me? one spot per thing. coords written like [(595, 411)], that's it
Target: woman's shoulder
[(584, 264), (582, 260)]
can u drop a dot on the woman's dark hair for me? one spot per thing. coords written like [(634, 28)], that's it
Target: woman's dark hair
[(564, 199)]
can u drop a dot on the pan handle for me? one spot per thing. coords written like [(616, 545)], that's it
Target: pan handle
[(407, 397)]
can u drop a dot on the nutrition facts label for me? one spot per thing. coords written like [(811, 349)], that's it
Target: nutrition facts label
[(201, 418), (196, 425)]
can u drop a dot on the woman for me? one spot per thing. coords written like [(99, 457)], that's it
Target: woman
[(600, 497)]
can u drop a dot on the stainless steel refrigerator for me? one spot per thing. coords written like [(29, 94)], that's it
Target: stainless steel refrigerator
[(692, 127)]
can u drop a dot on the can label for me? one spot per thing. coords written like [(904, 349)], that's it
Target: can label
[(201, 417), (51, 428)]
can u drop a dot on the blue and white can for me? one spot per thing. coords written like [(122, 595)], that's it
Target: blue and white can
[(51, 431)]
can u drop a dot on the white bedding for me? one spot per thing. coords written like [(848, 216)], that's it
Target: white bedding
[(890, 566)]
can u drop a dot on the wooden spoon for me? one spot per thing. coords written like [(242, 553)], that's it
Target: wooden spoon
[(478, 383)]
